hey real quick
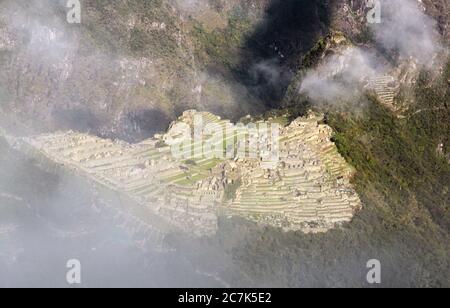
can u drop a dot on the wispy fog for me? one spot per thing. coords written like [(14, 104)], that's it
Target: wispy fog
[(405, 30), (340, 77), (48, 218)]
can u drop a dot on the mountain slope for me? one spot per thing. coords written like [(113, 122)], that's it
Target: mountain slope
[(132, 66)]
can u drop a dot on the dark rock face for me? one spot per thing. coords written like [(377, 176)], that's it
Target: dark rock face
[(439, 10), (275, 48), (142, 124)]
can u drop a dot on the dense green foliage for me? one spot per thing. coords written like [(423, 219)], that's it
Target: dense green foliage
[(404, 183), (400, 158), (221, 45)]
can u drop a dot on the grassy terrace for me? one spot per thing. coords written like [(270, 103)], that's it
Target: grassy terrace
[(199, 168)]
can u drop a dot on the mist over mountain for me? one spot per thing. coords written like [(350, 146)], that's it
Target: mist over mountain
[(130, 68)]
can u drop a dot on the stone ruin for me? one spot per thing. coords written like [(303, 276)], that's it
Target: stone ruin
[(308, 189)]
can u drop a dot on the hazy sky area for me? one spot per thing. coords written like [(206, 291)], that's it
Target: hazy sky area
[(44, 225)]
